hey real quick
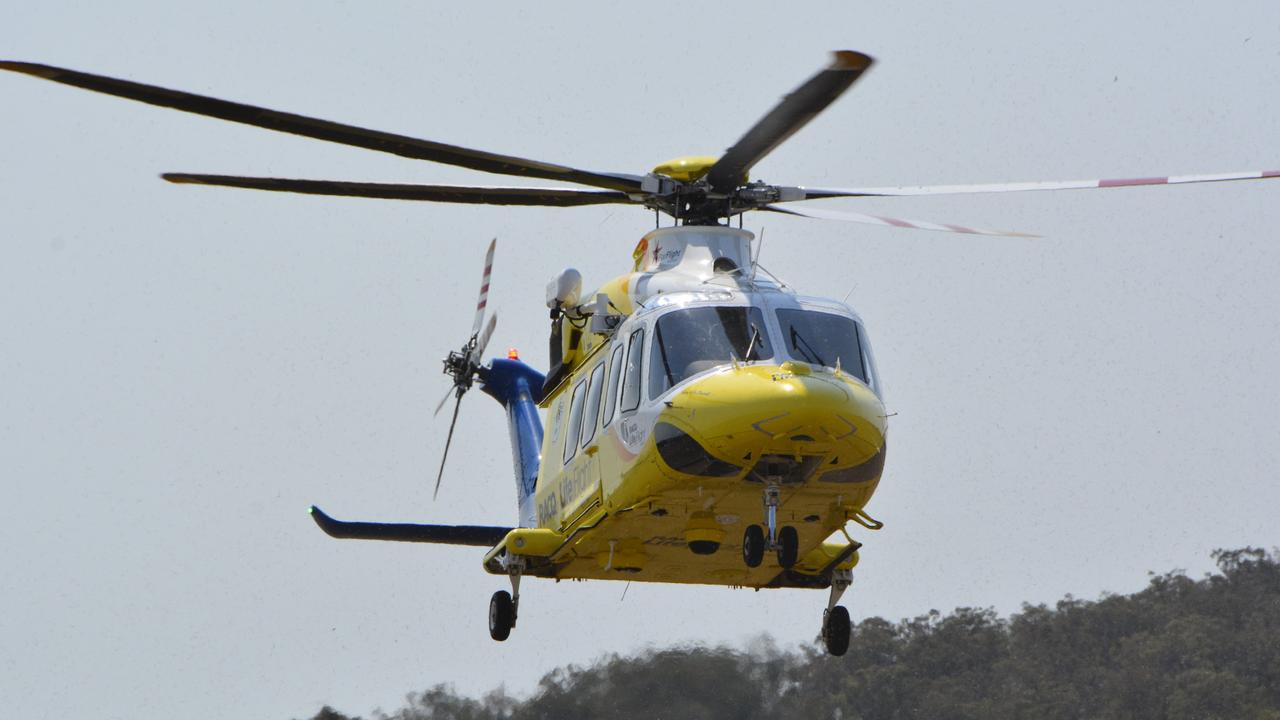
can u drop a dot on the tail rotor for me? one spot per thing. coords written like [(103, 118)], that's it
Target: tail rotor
[(464, 365)]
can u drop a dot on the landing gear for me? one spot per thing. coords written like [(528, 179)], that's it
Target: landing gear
[(786, 541), (502, 615), (835, 619), (772, 494), (835, 630), (753, 546), (504, 606)]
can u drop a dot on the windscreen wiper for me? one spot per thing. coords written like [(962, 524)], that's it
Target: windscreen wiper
[(811, 354), (755, 335), (662, 350)]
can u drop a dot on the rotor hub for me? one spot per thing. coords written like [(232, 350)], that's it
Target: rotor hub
[(687, 168)]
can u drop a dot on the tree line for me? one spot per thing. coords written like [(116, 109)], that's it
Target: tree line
[(1178, 649)]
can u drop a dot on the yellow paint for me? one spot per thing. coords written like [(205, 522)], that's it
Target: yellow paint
[(607, 502), (533, 541), (619, 292), (823, 554), (703, 527), (687, 168)]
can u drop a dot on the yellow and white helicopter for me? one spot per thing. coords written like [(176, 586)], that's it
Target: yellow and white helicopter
[(701, 414)]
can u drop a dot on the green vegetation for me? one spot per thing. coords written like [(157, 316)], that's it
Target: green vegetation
[(1180, 648)]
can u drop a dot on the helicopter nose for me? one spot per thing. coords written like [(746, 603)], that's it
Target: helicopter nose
[(748, 414)]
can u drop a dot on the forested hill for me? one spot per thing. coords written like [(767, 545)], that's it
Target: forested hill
[(1181, 648)]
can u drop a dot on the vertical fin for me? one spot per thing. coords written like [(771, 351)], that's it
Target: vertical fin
[(519, 387)]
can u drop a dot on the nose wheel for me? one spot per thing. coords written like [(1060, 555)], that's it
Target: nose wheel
[(785, 541)]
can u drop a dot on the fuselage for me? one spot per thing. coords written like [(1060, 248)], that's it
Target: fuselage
[(717, 383)]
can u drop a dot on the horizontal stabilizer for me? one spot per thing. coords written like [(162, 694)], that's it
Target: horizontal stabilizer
[(475, 535)]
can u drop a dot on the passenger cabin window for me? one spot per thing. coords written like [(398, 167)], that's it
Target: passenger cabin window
[(631, 376), (575, 422), (591, 411), (687, 342), (820, 338), (611, 395)]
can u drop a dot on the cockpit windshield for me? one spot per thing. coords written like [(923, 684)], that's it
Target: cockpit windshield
[(820, 338), (689, 341)]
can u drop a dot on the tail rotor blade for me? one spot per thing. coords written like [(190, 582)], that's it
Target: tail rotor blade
[(482, 341), (484, 287), (443, 400), (447, 442)]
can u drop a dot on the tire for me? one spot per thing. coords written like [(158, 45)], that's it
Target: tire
[(788, 547), (835, 631), (501, 615), (753, 546)]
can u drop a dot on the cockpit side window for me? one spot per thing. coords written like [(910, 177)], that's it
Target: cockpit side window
[(631, 374), (820, 338), (693, 340), (868, 361)]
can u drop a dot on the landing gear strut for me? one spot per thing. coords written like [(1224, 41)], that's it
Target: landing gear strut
[(835, 619), (504, 606), (786, 541)]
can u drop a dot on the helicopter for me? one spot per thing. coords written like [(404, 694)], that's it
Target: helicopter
[(705, 423)]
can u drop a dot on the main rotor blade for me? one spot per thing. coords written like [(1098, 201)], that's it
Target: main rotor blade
[(325, 130), (818, 193), (475, 194), (890, 222), (447, 442), (483, 301), (792, 113)]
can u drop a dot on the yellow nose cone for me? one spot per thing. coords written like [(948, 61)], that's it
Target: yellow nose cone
[(790, 408)]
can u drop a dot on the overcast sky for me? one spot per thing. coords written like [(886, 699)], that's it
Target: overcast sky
[(183, 370)]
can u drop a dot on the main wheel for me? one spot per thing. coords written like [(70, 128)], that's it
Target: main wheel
[(501, 615), (753, 546), (835, 631), (788, 546)]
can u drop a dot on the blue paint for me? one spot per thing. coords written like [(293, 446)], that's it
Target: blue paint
[(519, 388)]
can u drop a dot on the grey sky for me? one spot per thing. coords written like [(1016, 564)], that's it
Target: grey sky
[(184, 370)]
